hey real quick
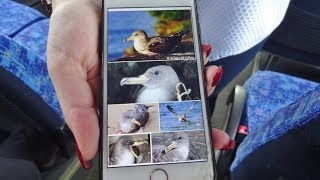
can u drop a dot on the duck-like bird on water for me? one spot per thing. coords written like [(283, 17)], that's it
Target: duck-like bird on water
[(125, 151), (182, 117), (155, 45)]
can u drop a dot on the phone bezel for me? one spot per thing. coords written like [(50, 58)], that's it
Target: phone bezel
[(200, 66)]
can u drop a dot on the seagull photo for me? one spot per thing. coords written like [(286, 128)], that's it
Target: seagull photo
[(152, 82), (182, 117), (150, 35), (178, 146), (177, 150), (159, 84), (133, 118), (185, 115), (129, 150)]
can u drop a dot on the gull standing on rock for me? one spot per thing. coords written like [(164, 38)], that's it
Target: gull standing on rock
[(155, 45)]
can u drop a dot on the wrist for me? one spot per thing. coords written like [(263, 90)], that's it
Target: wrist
[(56, 3)]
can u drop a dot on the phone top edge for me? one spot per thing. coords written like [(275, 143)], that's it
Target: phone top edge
[(147, 3)]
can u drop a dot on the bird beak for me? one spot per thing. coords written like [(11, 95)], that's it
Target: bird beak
[(138, 143), (128, 39), (133, 153), (142, 79), (136, 122), (173, 145)]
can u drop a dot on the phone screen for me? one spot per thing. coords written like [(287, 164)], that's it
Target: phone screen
[(155, 113)]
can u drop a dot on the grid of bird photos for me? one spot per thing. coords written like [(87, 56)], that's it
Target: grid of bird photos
[(155, 113)]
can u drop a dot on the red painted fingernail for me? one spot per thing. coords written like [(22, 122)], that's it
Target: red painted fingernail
[(207, 49), (85, 164), (243, 129), (217, 77), (230, 146)]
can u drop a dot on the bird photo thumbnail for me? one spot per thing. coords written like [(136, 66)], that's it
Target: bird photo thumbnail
[(178, 146), (150, 82), (133, 118), (150, 35), (185, 115), (129, 150)]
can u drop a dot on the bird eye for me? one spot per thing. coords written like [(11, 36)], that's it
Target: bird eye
[(136, 34), (180, 137), (156, 73)]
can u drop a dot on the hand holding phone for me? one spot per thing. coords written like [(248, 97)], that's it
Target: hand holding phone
[(80, 113)]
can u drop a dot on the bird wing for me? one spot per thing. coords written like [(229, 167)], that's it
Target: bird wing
[(157, 43), (173, 111), (162, 44), (190, 108)]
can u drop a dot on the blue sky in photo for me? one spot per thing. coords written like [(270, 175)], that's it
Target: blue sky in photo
[(121, 24)]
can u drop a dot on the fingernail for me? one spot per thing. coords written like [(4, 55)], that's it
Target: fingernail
[(207, 49), (217, 77), (230, 146), (85, 164), (243, 129)]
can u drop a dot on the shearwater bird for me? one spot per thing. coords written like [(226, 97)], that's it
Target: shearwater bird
[(182, 117), (178, 150), (159, 84), (155, 45), (125, 151), (132, 120)]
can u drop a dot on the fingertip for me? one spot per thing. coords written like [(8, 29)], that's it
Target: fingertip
[(217, 77), (210, 73), (206, 48), (220, 139), (83, 122), (85, 164)]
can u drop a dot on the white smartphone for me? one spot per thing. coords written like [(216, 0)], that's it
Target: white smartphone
[(154, 121)]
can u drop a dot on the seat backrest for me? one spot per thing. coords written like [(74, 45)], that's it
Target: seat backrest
[(287, 145), (298, 36), (14, 17), (25, 81)]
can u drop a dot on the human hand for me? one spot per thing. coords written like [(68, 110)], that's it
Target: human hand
[(74, 67), (213, 74), (73, 64)]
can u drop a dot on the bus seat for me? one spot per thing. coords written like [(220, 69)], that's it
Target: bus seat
[(283, 117)]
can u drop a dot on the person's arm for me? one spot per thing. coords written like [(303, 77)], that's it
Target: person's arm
[(234, 26)]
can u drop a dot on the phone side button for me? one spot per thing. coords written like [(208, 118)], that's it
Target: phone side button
[(159, 174)]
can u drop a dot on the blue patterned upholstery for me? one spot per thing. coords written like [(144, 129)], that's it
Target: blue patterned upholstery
[(14, 17), (23, 39), (30, 69), (267, 92), (35, 37), (276, 104)]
